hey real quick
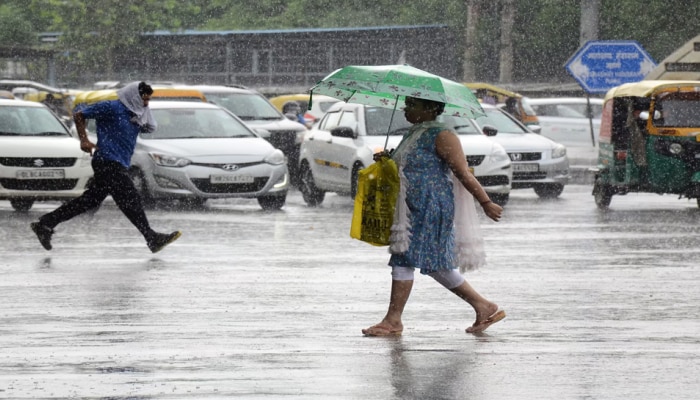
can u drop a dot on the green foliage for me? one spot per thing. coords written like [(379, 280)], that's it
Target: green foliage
[(16, 30)]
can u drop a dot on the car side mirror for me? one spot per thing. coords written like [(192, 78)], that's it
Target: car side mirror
[(344, 131), (535, 128), (489, 130)]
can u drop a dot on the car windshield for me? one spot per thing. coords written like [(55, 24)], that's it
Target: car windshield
[(196, 123), (246, 106), (377, 121), (679, 112), (500, 121), (30, 121), (462, 126)]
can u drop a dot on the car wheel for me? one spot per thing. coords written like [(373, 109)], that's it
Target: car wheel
[(499, 198), (21, 204), (549, 191), (354, 178), (313, 196), (603, 195), (141, 186), (272, 203)]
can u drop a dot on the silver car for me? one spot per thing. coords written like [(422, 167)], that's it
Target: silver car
[(538, 162), (201, 151)]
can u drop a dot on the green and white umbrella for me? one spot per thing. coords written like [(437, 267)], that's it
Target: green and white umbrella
[(388, 85)]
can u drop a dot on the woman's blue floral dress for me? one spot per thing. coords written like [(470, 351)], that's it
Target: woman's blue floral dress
[(430, 200)]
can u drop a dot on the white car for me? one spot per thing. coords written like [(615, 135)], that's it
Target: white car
[(201, 151), (39, 159), (538, 162), (347, 137), (565, 120)]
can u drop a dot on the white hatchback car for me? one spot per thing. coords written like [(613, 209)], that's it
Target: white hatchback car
[(347, 137), (201, 151), (538, 162), (565, 119), (39, 159)]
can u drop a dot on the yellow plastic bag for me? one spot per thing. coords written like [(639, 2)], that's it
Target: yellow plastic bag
[(377, 189)]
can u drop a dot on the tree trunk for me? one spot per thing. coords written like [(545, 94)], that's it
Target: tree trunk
[(506, 52), (470, 45), (590, 10)]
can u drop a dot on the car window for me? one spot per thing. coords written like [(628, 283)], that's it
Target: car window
[(331, 121), (325, 105), (348, 119), (377, 121), (500, 121), (546, 110), (568, 111), (188, 123), (30, 121), (246, 106), (462, 126)]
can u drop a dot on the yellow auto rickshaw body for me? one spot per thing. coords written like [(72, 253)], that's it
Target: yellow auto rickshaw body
[(159, 93), (649, 140), (525, 113)]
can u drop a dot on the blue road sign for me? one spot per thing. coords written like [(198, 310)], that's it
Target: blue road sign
[(600, 65)]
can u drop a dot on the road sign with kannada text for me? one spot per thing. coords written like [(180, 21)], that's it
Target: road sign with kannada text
[(600, 65)]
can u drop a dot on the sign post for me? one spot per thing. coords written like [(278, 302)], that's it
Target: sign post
[(600, 65)]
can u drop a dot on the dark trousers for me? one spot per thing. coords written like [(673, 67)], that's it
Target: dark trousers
[(111, 178)]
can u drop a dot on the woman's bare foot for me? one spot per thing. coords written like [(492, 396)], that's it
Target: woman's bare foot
[(384, 328)]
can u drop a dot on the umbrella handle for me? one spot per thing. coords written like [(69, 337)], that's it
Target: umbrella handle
[(391, 120)]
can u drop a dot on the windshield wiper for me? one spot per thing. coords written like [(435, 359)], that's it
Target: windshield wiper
[(10, 134)]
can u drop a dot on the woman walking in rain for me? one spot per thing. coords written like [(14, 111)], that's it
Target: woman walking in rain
[(435, 224), (118, 125)]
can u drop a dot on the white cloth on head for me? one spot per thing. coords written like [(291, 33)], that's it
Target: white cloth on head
[(130, 97)]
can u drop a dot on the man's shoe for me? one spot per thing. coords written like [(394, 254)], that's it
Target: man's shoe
[(160, 240), (44, 234)]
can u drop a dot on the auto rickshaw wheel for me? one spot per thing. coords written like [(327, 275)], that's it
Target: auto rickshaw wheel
[(602, 195)]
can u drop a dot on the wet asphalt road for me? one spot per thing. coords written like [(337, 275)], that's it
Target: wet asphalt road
[(249, 304)]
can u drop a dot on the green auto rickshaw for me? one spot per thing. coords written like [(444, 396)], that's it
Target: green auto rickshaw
[(649, 141)]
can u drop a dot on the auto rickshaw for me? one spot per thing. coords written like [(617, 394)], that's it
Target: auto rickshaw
[(649, 141)]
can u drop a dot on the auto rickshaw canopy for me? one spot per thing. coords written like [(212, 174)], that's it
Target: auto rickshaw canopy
[(647, 88)]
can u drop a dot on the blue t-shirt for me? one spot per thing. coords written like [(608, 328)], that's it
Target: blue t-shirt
[(116, 134)]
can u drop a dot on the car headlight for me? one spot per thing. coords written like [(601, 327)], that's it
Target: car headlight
[(558, 151), (166, 160), (499, 154), (275, 158)]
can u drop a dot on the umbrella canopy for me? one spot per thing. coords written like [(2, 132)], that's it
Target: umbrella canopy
[(388, 85)]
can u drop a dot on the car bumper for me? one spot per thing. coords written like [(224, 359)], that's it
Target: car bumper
[(495, 177), (73, 183), (553, 171), (196, 181)]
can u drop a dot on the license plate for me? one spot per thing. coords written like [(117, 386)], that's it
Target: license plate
[(231, 179), (41, 174), (526, 167)]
